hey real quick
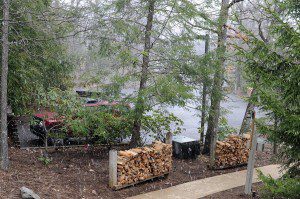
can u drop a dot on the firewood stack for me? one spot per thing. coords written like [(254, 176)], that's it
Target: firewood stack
[(232, 152), (140, 164)]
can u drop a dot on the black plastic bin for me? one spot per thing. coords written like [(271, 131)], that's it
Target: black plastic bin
[(185, 147)]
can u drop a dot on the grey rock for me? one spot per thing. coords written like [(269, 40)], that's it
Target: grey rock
[(28, 194)]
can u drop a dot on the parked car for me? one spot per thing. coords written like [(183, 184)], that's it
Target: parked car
[(50, 121)]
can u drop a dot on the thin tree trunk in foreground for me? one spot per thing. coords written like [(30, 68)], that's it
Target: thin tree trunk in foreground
[(140, 104), (275, 145), (204, 95), (203, 113), (238, 89), (4, 162)]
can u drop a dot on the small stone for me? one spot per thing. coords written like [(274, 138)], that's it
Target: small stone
[(94, 192), (28, 194)]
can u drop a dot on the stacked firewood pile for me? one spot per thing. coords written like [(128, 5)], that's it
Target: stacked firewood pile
[(232, 151), (144, 163)]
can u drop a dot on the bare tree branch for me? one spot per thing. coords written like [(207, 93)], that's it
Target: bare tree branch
[(260, 32), (234, 2)]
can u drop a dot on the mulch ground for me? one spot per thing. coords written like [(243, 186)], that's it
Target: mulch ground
[(78, 173)]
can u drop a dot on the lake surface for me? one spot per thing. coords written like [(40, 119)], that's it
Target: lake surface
[(235, 108)]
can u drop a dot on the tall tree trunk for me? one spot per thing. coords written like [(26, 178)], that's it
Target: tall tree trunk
[(238, 74), (238, 89), (275, 145), (140, 104), (204, 95), (216, 95), (4, 162), (247, 116), (203, 113)]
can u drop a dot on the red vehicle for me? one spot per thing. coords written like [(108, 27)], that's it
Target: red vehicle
[(50, 121)]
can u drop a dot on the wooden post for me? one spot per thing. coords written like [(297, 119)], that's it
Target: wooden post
[(113, 156), (169, 137), (251, 159)]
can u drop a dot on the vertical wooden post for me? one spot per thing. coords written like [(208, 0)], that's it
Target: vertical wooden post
[(251, 159), (169, 137), (113, 156)]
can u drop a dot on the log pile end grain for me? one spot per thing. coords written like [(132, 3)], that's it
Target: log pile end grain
[(232, 151), (247, 136), (139, 164)]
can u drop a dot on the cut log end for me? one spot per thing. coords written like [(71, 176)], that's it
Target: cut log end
[(139, 164)]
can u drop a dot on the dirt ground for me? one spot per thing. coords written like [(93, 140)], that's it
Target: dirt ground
[(80, 173)]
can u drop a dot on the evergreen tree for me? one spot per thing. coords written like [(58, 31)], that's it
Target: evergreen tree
[(37, 58), (274, 69), (139, 37)]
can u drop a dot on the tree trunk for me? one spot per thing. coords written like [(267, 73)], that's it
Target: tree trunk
[(275, 145), (140, 104), (238, 89), (247, 118), (4, 162), (238, 74), (216, 95), (204, 95), (203, 113)]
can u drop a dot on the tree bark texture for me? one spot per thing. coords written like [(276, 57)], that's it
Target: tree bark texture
[(216, 95), (204, 96), (275, 145), (238, 88), (4, 162), (140, 104)]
